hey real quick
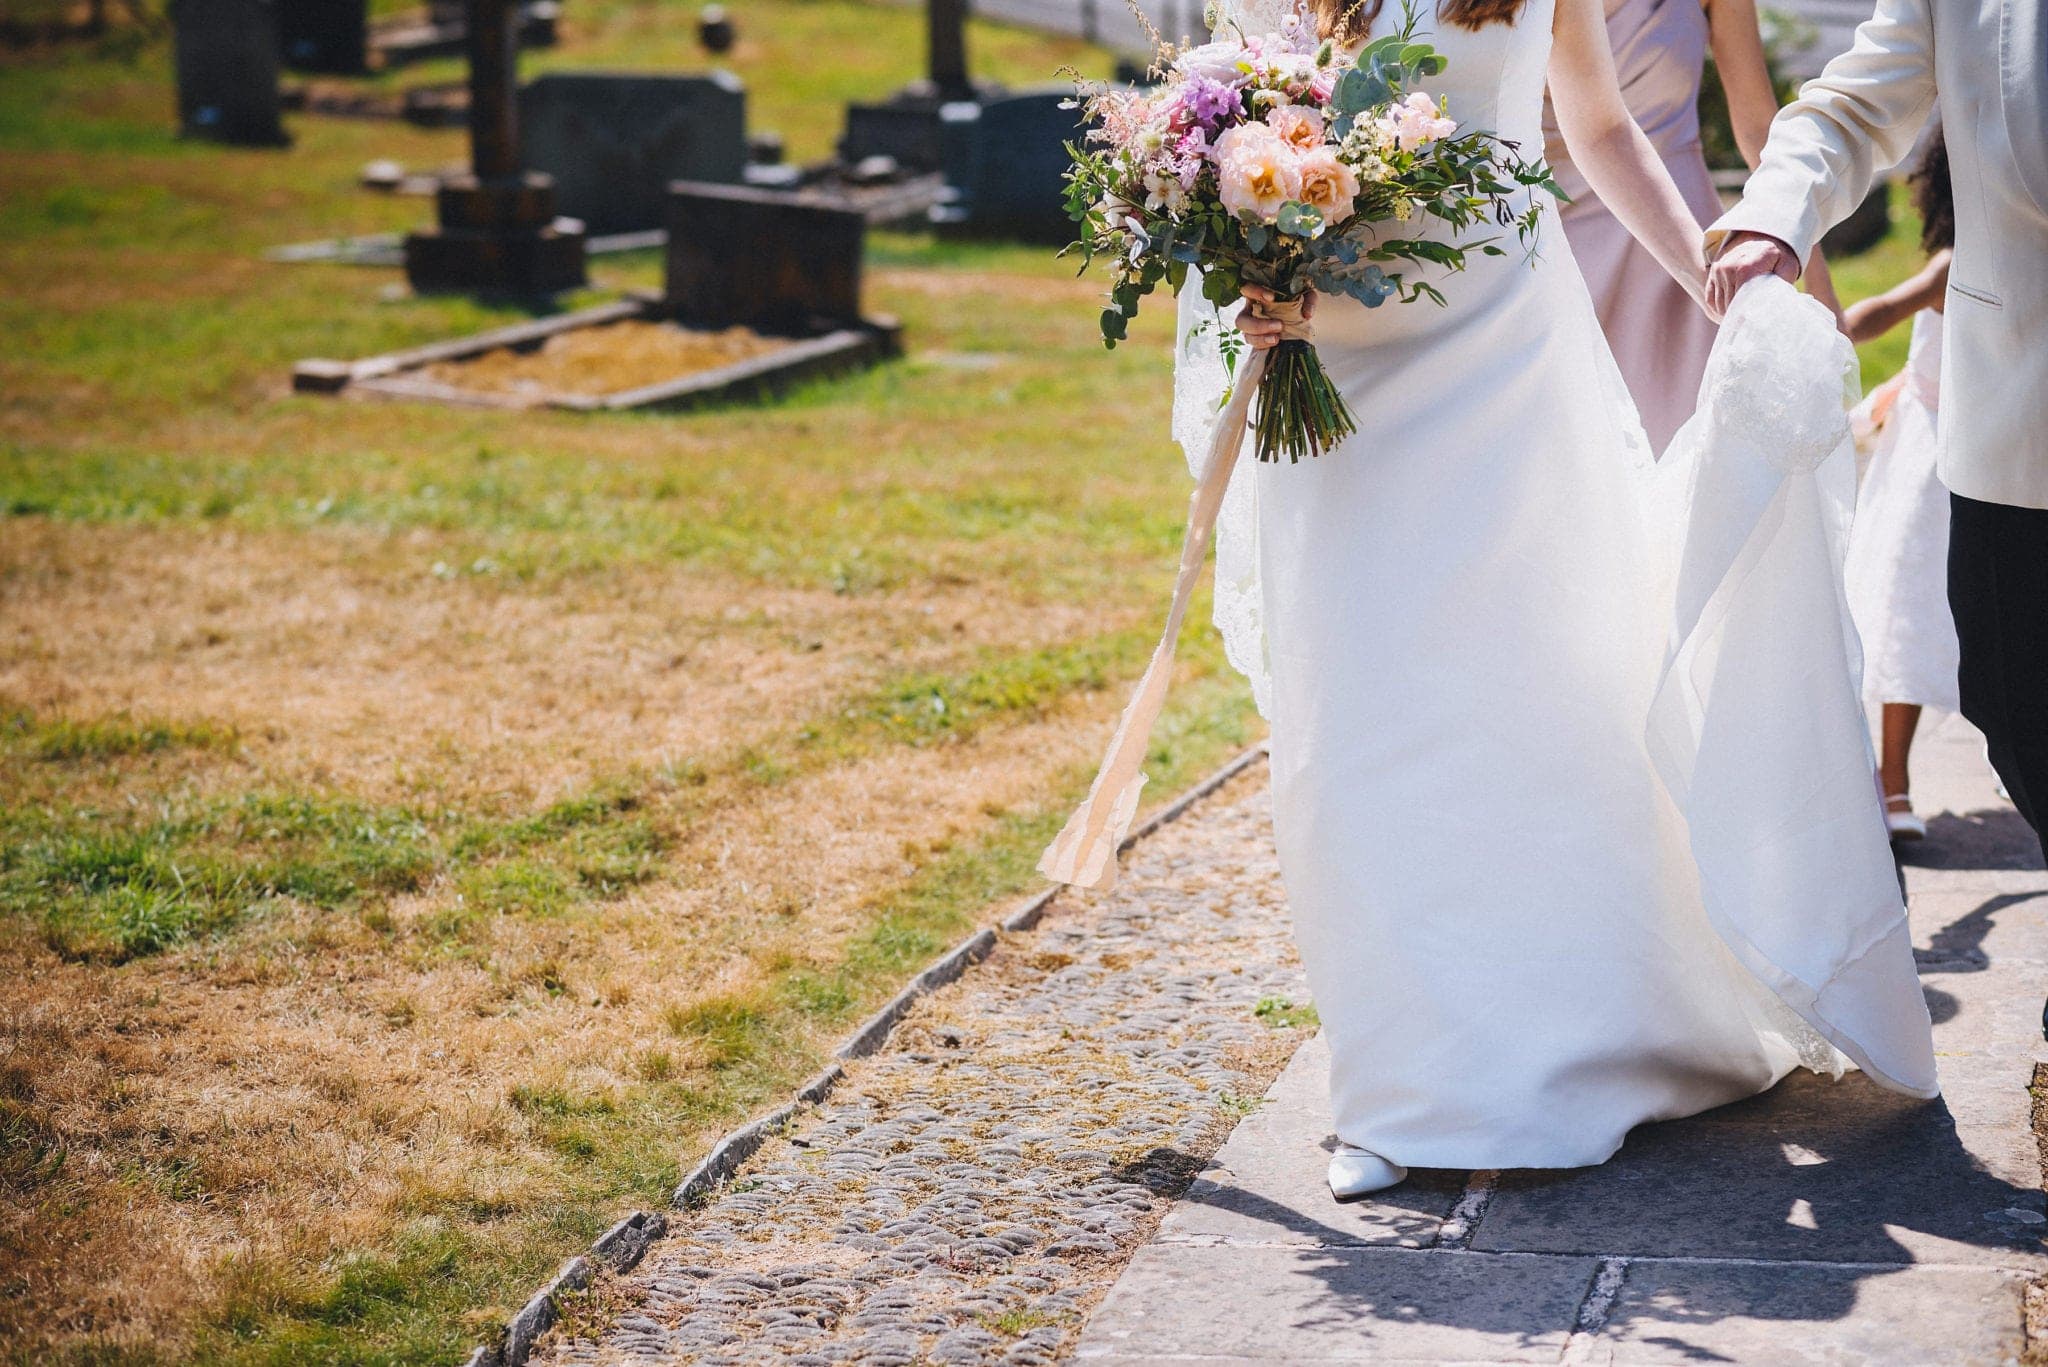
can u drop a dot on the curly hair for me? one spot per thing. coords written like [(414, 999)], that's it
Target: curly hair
[(1932, 197)]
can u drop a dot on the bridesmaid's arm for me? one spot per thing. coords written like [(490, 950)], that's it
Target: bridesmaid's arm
[(1738, 43), (1612, 153)]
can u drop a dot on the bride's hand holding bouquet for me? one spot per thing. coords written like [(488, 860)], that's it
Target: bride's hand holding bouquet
[(1273, 164)]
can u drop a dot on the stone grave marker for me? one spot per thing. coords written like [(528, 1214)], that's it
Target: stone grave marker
[(1005, 164), (225, 58), (775, 261), (613, 141), (498, 231), (327, 36), (906, 127)]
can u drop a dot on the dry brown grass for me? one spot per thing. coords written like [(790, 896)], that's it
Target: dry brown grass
[(605, 360), (343, 664), (238, 1115)]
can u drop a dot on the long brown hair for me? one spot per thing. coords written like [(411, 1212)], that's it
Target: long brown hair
[(1347, 20)]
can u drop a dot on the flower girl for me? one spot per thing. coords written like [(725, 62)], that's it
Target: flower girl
[(1898, 547)]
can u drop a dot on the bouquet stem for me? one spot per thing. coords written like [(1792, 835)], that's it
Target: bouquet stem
[(1300, 412)]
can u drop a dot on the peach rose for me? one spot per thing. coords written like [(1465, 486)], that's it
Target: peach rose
[(1299, 128), (1328, 185), (1256, 172)]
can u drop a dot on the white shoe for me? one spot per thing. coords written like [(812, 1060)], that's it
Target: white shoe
[(1902, 824), (1354, 1172)]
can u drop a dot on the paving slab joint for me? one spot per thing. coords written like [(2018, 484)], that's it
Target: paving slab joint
[(1462, 1223), (1598, 1304)]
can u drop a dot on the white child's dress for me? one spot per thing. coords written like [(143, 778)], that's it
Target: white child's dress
[(1897, 568)]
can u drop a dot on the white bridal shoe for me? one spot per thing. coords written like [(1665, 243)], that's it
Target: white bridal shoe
[(1355, 1172), (1902, 824)]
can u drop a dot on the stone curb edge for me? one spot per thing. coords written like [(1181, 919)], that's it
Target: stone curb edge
[(625, 1243)]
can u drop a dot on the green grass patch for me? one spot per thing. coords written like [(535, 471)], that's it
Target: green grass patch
[(1279, 1013), (117, 883), (1896, 257), (61, 739)]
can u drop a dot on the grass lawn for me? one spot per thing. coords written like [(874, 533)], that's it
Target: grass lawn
[(423, 830), (1877, 270)]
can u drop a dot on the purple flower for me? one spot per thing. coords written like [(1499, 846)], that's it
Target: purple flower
[(1210, 102), (1191, 154)]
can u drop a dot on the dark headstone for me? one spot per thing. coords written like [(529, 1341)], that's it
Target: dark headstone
[(1865, 226), (715, 30), (614, 141), (1006, 163), (330, 36), (764, 259), (226, 61), (946, 48), (905, 128), (498, 230)]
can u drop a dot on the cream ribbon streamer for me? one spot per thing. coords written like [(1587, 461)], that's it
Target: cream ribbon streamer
[(1084, 853)]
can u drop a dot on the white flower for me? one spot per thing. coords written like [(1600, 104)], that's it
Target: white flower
[(1164, 192), (1219, 61)]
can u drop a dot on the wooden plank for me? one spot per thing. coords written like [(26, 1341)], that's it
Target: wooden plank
[(518, 334)]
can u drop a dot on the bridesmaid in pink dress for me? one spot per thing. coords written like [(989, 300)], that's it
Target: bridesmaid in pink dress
[(1659, 336)]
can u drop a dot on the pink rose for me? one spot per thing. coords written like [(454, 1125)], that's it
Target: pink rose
[(1256, 172), (1299, 128), (1328, 184), (1415, 121)]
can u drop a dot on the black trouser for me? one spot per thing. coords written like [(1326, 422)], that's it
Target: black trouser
[(1998, 591)]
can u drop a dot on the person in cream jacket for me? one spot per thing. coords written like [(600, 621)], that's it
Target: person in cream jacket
[(1982, 66)]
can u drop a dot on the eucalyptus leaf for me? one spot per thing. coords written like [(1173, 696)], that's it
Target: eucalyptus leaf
[(1299, 220)]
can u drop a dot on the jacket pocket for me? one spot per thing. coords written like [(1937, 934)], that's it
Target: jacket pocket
[(1984, 297)]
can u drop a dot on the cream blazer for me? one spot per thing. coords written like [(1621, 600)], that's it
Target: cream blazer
[(1984, 65)]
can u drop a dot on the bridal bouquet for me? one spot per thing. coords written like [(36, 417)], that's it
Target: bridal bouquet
[(1274, 160)]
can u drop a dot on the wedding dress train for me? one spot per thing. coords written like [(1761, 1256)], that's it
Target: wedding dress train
[(1570, 780)]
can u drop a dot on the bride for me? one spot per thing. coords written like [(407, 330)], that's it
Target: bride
[(1570, 784)]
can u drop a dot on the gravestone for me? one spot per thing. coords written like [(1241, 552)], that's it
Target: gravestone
[(1865, 226), (1006, 163), (614, 141), (225, 57), (327, 36), (498, 230), (779, 262), (905, 129), (946, 49)]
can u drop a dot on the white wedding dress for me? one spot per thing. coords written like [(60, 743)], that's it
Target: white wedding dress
[(1570, 780)]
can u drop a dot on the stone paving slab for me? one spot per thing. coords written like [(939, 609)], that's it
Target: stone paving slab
[(1823, 1222), (1303, 1305), (1692, 1313), (964, 1195), (1854, 1174)]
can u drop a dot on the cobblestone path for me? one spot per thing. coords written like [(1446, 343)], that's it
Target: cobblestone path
[(967, 1194)]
